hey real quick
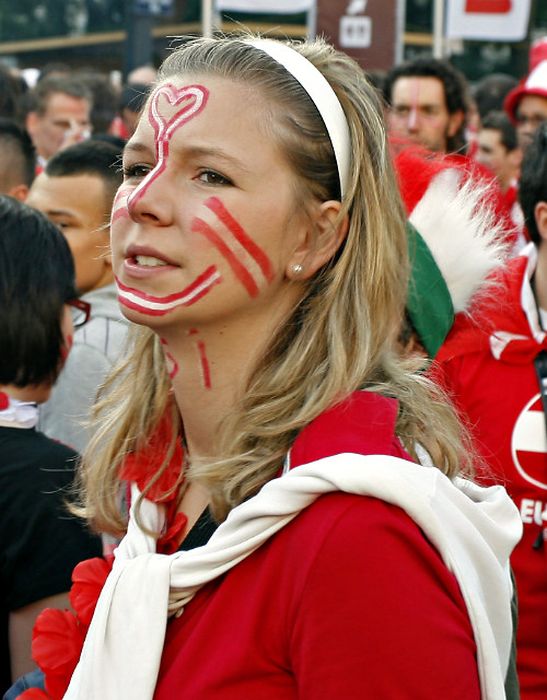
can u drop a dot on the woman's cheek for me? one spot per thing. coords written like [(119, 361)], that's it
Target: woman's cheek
[(120, 206)]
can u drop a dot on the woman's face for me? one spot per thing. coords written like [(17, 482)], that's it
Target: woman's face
[(205, 223)]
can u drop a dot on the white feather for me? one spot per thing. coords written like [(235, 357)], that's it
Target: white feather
[(462, 233)]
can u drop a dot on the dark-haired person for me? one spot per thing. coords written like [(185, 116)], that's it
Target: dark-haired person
[(11, 92), (489, 93), (493, 365), (427, 104), (58, 115), (17, 164), (76, 192), (499, 151), (132, 100), (39, 541)]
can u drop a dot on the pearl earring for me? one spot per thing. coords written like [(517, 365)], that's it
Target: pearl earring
[(297, 269)]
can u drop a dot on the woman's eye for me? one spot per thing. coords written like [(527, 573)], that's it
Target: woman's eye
[(210, 177), (136, 170)]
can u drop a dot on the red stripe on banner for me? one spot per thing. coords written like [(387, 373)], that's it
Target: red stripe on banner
[(489, 6), (240, 271), (260, 257)]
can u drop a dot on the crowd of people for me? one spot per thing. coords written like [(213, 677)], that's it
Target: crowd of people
[(273, 379)]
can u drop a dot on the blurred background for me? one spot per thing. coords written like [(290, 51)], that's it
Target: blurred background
[(117, 35)]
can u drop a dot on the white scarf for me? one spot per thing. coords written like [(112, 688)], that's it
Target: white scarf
[(473, 528)]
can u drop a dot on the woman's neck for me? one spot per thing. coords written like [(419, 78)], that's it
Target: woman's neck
[(210, 366)]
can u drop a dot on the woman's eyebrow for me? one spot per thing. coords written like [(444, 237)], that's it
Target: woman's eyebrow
[(190, 152), (136, 147), (200, 151)]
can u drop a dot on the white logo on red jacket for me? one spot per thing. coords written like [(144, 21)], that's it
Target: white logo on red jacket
[(529, 444)]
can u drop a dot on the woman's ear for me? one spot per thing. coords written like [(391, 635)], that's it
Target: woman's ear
[(540, 214), (321, 240)]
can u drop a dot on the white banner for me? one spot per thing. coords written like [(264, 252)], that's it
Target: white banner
[(282, 7), (491, 20)]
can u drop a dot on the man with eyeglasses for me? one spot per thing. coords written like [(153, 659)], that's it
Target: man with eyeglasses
[(526, 104)]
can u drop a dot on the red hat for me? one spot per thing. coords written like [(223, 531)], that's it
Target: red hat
[(534, 84), (538, 53)]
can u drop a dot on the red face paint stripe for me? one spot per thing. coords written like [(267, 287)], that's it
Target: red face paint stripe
[(121, 212), (174, 366), (206, 373), (239, 270), (260, 257), (210, 272)]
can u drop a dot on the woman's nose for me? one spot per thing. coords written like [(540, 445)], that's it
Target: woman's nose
[(150, 201)]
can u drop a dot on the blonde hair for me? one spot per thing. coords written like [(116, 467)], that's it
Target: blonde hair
[(342, 335)]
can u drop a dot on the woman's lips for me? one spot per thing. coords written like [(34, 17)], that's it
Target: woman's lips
[(132, 269), (143, 261)]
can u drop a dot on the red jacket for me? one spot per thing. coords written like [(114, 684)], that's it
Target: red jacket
[(487, 364), (281, 626)]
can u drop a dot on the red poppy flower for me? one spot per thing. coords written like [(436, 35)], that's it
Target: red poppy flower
[(88, 580), (34, 694), (142, 465), (57, 640), (169, 542)]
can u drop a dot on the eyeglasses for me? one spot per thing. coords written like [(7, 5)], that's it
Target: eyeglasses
[(534, 120), (80, 310)]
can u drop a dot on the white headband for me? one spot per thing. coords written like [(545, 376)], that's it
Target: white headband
[(322, 95)]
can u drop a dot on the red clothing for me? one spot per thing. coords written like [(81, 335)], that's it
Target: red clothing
[(348, 600), (488, 366), (519, 236)]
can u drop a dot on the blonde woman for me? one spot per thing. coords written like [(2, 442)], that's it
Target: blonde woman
[(259, 242)]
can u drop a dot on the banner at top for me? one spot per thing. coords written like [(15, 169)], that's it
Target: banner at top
[(490, 20), (281, 7)]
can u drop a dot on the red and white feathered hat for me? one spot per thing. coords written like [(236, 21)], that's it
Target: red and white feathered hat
[(456, 240), (534, 84)]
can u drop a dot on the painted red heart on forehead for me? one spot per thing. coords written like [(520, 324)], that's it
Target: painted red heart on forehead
[(193, 99)]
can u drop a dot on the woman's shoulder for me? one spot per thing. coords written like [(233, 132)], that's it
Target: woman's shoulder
[(359, 538), (390, 600), (365, 523), (363, 423)]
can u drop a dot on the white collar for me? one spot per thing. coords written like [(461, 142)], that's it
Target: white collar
[(18, 414)]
